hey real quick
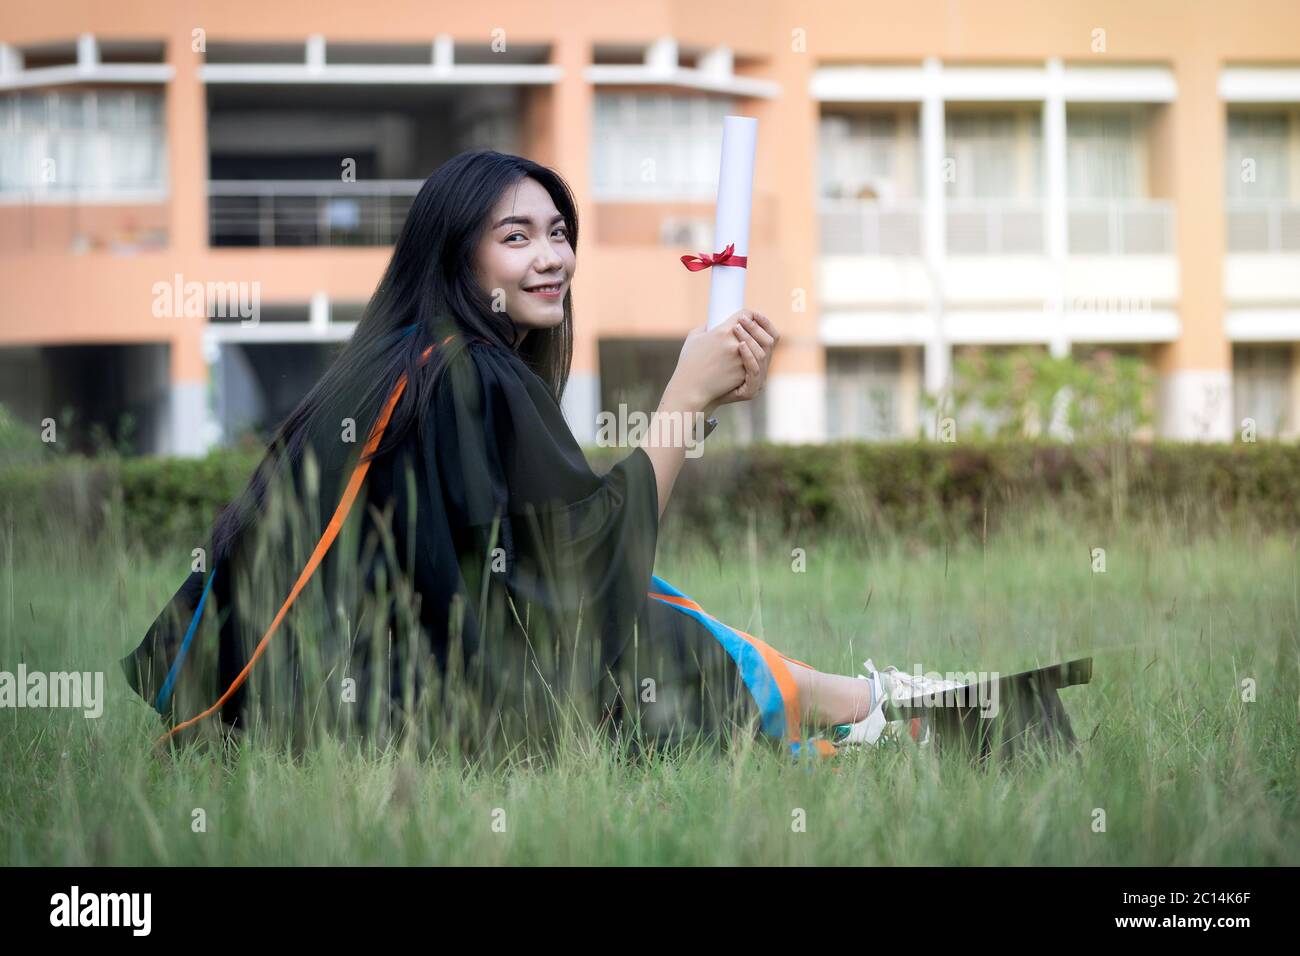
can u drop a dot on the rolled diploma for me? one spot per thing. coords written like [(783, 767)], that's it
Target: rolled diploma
[(731, 218)]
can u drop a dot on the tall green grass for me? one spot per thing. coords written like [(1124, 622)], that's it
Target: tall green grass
[(1185, 771)]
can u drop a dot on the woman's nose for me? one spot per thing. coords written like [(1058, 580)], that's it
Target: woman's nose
[(548, 259)]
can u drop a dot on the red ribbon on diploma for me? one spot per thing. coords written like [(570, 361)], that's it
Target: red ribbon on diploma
[(723, 258)]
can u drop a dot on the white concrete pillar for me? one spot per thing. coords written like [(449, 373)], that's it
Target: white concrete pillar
[(87, 52), (189, 419), (661, 55), (11, 60), (444, 52), (796, 407), (934, 223), (581, 404), (315, 52), (318, 313), (1196, 405), (718, 62), (1055, 208)]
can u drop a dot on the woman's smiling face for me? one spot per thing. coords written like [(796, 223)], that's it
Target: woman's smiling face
[(526, 247)]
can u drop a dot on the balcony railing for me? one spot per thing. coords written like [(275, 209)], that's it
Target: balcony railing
[(284, 212), (1121, 227), (991, 227), (988, 227), (1263, 225), (856, 227)]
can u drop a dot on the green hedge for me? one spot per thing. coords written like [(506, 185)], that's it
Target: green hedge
[(931, 490), (154, 501), (934, 490)]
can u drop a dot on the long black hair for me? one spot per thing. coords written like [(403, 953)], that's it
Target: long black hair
[(427, 292)]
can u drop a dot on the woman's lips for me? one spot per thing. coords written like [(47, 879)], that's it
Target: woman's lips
[(553, 294)]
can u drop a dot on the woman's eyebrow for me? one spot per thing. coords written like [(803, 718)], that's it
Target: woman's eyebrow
[(523, 220)]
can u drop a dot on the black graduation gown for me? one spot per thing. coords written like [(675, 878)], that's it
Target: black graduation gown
[(500, 591)]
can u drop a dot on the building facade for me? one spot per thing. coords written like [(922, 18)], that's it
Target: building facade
[(197, 200)]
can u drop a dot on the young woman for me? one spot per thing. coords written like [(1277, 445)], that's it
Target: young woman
[(488, 585)]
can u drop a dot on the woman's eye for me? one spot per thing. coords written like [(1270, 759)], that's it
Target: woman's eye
[(560, 229)]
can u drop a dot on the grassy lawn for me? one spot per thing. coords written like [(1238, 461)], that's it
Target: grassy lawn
[(1184, 770)]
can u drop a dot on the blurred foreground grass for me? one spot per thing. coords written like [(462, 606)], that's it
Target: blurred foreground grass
[(1185, 771)]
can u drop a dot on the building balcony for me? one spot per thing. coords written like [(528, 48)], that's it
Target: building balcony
[(855, 227), (872, 253), (996, 282), (1262, 264), (1261, 270), (1121, 227), (1263, 226), (995, 227), (1122, 278), (269, 213)]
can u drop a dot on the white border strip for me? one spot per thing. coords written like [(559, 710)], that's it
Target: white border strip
[(1017, 327), (1262, 325), (1142, 325), (1120, 84), (956, 83), (631, 74), (518, 74), (1259, 84), (220, 333), (103, 73), (127, 197)]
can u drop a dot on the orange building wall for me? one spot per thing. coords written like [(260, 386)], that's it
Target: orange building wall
[(625, 283)]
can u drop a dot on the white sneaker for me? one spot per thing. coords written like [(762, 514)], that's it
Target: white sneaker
[(906, 686), (868, 729), (895, 685)]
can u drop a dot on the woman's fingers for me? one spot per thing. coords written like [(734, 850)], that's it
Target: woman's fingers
[(767, 327), (745, 336), (752, 367), (749, 385), (756, 330), (753, 337), (735, 318)]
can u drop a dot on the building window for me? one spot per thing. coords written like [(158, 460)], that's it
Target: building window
[(863, 388), (1261, 387), (1258, 155), (1104, 155), (1261, 169), (993, 177), (1106, 180), (82, 144), (657, 145), (873, 156), (994, 155)]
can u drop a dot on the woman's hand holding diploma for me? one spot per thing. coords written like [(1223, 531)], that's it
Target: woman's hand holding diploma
[(757, 337), (717, 366), (725, 364)]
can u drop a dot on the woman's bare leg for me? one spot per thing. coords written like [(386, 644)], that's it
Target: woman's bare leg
[(830, 699)]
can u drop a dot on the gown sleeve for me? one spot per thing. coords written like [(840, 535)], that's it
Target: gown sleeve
[(551, 553)]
